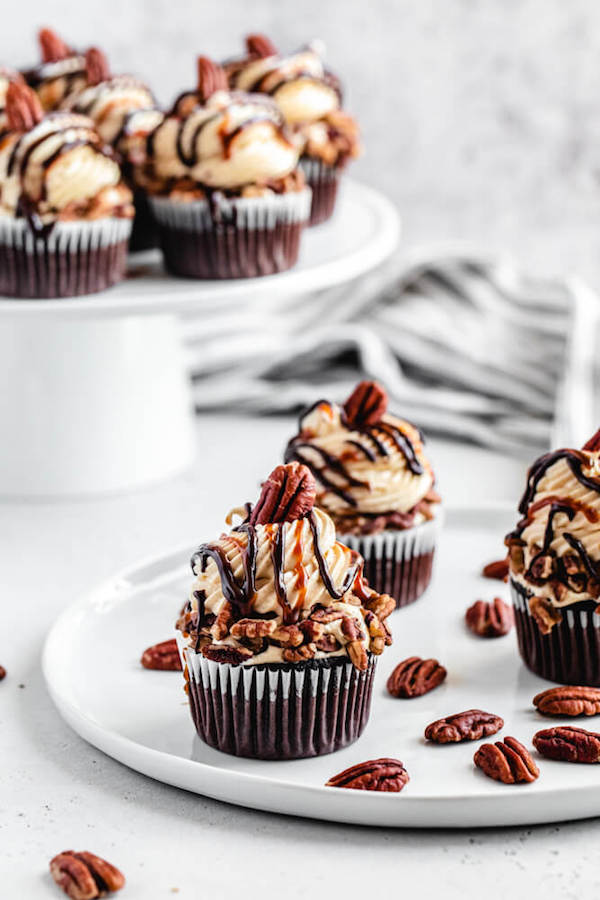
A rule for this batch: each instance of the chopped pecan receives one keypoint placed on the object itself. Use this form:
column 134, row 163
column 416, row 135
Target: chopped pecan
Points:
column 325, row 616
column 223, row 622
column 260, row 46
column 358, row 655
column 351, row 629
column 507, row 761
column 97, row 69
column 593, row 445
column 224, row 653
column 84, row 876
column 253, row 628
column 542, row 567
column 327, row 644
column 377, row 633
column 470, row 725
column 52, row 47
column 544, row 614
column 23, row 108
column 288, row 635
column 381, row 604
column 568, row 700
column 414, row 677
column 497, row 569
column 569, row 744
column 489, row 620
column 299, row 654
column 366, row 404
column 2, row 673
column 211, row 78
column 163, row 656
column 516, row 554
column 383, row 774
column 570, row 563
column 311, row 630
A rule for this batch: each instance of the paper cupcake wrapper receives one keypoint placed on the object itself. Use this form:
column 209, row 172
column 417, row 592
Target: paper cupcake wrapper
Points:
column 144, row 234
column 323, row 181
column 278, row 711
column 570, row 654
column 74, row 258
column 240, row 237
column 398, row 563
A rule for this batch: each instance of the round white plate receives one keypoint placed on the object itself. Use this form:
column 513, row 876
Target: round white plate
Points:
column 362, row 233
column 91, row 664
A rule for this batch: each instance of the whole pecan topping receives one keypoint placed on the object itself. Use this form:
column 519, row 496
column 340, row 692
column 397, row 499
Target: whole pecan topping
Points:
column 414, row 677
column 288, row 493
column 84, row 876
column 211, row 78
column 366, row 404
column 375, row 775
column 490, row 620
column 97, row 69
column 568, row 701
column 497, row 569
column 507, row 761
column 164, row 656
column 260, row 46
column 593, row 445
column 23, row 108
column 574, row 745
column 52, row 47
column 471, row 725
column 2, row 673
column 223, row 653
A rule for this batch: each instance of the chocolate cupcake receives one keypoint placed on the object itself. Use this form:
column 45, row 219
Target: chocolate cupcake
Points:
column 60, row 74
column 124, row 112
column 310, row 98
column 280, row 636
column 226, row 193
column 375, row 482
column 65, row 214
column 554, row 565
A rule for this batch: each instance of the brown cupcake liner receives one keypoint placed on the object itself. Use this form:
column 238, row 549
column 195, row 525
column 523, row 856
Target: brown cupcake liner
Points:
column 570, row 653
column 71, row 259
column 144, row 234
column 323, row 180
column 278, row 711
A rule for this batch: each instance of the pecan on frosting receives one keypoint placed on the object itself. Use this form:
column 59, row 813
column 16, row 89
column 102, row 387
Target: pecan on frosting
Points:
column 97, row 68
column 52, row 46
column 23, row 109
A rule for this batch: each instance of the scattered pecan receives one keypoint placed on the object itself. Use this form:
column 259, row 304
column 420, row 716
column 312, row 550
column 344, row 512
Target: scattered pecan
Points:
column 288, row 493
column 568, row 701
column 211, row 78
column 97, row 69
column 593, row 445
column 224, row 653
column 414, row 677
column 164, row 656
column 507, row 761
column 299, row 654
column 544, row 614
column 23, row 108
column 574, row 745
column 220, row 627
column 490, row 620
column 470, row 725
column 2, row 673
column 366, row 404
column 260, row 46
column 497, row 569
column 253, row 628
column 383, row 774
column 52, row 47
column 84, row 876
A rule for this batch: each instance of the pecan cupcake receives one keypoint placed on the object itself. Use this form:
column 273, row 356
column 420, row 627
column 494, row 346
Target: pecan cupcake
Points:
column 225, row 189
column 375, row 482
column 554, row 565
column 310, row 98
column 65, row 214
column 280, row 636
column 60, row 74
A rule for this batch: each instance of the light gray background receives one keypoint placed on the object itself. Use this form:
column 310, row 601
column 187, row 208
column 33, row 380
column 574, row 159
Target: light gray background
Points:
column 480, row 119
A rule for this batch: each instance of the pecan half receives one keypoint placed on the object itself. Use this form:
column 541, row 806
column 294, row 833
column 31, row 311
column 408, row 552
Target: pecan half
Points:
column 383, row 774
column 568, row 701
column 259, row 46
column 545, row 615
column 23, row 108
column 224, row 653
column 497, row 569
column 490, row 620
column 211, row 78
column 593, row 445
column 569, row 744
column 52, row 47
column 470, row 725
column 288, row 493
column 163, row 656
column 97, row 69
column 366, row 404
column 85, row 876
column 414, row 677
column 507, row 761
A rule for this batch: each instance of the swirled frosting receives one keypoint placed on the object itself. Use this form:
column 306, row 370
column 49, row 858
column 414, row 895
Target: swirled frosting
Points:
column 54, row 82
column 112, row 104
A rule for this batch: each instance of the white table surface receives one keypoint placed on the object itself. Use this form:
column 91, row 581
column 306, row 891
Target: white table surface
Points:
column 57, row 792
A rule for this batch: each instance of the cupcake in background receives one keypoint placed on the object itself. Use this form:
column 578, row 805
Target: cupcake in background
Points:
column 280, row 636
column 65, row 213
column 124, row 111
column 375, row 482
column 554, row 566
column 310, row 99
column 60, row 74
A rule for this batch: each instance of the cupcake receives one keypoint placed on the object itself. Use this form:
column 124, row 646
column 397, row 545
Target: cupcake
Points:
column 309, row 97
column 226, row 192
column 554, row 565
column 280, row 636
column 60, row 74
column 376, row 484
column 124, row 112
column 65, row 214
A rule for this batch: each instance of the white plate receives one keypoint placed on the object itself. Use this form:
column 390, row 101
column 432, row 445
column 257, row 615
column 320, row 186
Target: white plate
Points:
column 362, row 233
column 91, row 664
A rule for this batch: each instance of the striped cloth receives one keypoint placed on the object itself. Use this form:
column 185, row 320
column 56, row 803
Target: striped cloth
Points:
column 466, row 347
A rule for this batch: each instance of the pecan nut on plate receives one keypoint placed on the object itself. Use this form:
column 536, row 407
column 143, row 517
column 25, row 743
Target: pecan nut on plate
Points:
column 497, row 569
column 568, row 744
column 85, row 876
column 507, row 761
column 164, row 656
column 414, row 677
column 568, row 700
column 387, row 775
column 490, row 620
column 470, row 725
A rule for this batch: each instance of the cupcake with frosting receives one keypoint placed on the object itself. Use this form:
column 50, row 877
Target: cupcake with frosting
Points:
column 554, row 565
column 226, row 192
column 310, row 99
column 377, row 485
column 61, row 72
column 280, row 636
column 65, row 213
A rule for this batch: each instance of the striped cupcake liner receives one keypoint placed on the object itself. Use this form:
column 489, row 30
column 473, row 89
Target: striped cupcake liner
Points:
column 570, row 653
column 323, row 181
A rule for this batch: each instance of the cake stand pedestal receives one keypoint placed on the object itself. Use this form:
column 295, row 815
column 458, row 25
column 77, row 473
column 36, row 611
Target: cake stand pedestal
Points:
column 94, row 396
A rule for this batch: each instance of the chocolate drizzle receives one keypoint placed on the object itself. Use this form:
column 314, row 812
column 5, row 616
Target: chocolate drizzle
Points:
column 324, row 568
column 575, row 460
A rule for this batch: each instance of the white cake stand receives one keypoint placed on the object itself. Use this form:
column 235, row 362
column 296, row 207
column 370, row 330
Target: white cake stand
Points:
column 94, row 395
